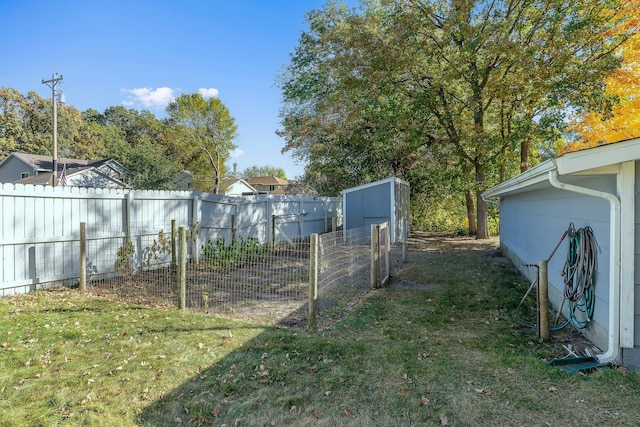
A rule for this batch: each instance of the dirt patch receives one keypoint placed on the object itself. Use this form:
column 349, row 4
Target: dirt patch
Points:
column 438, row 241
column 406, row 286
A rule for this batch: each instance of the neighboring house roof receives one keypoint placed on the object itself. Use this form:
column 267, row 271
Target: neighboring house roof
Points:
column 90, row 177
column 45, row 163
column 106, row 173
column 268, row 180
column 268, row 184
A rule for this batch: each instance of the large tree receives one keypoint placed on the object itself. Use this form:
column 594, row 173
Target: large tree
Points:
column 204, row 130
column 621, row 120
column 256, row 171
column 379, row 89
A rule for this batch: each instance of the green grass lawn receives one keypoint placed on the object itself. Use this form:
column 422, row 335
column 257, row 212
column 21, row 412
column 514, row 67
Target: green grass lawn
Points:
column 450, row 355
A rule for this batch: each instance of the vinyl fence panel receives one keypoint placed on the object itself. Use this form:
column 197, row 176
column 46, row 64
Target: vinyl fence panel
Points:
column 40, row 227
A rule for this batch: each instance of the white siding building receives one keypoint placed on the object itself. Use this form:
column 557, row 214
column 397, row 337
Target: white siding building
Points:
column 595, row 188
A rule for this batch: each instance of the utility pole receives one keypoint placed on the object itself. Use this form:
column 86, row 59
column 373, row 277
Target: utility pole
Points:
column 55, row 79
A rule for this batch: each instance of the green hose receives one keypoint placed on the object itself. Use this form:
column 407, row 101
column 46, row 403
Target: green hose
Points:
column 579, row 276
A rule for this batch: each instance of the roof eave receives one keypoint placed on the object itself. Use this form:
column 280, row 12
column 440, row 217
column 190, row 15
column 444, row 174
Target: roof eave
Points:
column 532, row 176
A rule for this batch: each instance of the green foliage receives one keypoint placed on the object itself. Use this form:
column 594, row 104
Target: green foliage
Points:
column 150, row 168
column 124, row 256
column 160, row 247
column 394, row 86
column 220, row 255
column 256, row 171
column 202, row 131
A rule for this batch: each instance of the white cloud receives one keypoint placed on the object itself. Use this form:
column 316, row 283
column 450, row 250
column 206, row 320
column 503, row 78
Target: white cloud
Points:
column 209, row 92
column 149, row 97
column 236, row 153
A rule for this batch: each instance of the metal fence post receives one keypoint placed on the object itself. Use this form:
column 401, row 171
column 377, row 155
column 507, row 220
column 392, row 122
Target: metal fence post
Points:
column 374, row 256
column 182, row 268
column 83, row 256
column 313, row 280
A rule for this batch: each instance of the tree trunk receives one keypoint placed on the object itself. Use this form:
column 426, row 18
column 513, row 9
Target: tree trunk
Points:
column 483, row 217
column 524, row 154
column 471, row 209
column 471, row 213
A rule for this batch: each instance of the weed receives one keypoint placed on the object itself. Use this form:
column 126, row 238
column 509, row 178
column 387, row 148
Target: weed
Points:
column 124, row 256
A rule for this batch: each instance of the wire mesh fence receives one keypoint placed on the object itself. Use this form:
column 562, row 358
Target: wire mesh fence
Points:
column 266, row 281
column 241, row 276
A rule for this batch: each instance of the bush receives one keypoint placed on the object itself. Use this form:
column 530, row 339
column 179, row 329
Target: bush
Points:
column 239, row 252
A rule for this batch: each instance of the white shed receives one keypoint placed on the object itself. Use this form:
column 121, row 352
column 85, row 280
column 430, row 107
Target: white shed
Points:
column 378, row 202
column 593, row 188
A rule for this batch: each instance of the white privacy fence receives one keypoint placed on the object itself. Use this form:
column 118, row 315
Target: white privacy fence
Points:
column 40, row 228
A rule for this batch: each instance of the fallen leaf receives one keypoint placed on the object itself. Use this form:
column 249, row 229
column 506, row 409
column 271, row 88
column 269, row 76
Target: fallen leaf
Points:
column 317, row 414
column 424, row 401
column 552, row 389
column 216, row 412
column 349, row 414
column 295, row 409
column 444, row 421
column 313, row 369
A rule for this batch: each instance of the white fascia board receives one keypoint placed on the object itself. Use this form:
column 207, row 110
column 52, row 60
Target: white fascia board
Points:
column 597, row 157
column 530, row 177
column 393, row 179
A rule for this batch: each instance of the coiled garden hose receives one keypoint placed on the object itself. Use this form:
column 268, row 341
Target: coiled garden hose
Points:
column 579, row 276
column 579, row 279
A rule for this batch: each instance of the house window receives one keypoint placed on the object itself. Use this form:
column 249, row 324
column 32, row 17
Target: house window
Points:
column 272, row 187
column 24, row 175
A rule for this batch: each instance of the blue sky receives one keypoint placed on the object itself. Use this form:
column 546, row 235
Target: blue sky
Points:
column 140, row 54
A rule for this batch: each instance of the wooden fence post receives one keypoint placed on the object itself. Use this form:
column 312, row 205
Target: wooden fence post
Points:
column 173, row 245
column 273, row 229
column 182, row 268
column 543, row 301
column 233, row 228
column 83, row 256
column 405, row 236
column 313, row 280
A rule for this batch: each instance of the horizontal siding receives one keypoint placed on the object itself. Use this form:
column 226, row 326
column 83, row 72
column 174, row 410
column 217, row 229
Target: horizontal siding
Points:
column 532, row 224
